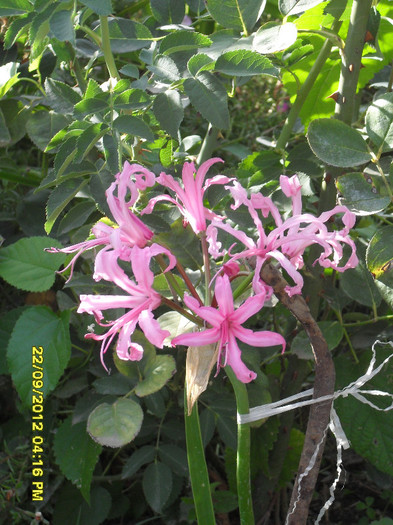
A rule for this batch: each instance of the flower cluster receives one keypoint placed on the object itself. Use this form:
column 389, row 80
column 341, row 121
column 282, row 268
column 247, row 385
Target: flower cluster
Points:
column 129, row 243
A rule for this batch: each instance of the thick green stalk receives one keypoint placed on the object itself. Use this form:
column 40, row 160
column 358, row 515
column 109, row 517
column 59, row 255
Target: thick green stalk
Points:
column 106, row 48
column 351, row 60
column 209, row 144
column 243, row 478
column 305, row 89
column 197, row 465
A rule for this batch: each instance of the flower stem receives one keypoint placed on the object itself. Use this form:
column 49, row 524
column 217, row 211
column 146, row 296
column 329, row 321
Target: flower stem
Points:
column 243, row 478
column 106, row 48
column 188, row 282
column 197, row 465
column 206, row 264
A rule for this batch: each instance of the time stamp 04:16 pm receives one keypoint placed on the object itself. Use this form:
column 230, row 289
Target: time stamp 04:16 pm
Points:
column 37, row 424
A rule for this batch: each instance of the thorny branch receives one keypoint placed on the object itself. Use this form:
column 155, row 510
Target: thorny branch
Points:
column 319, row 413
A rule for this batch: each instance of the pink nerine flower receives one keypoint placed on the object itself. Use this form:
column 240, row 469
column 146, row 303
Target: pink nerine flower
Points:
column 129, row 230
column 227, row 326
column 140, row 301
column 287, row 242
column 191, row 195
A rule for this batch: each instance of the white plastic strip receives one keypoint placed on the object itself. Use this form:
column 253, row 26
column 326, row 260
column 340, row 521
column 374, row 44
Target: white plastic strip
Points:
column 354, row 389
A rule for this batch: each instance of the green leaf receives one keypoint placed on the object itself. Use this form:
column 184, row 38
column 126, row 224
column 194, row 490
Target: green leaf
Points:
column 130, row 70
column 59, row 199
column 16, row 28
column 379, row 122
column 199, row 62
column 77, row 216
column 157, row 485
column 337, row 144
column 127, row 36
column 101, row 7
column 42, row 126
column 368, row 429
column 88, row 106
column 61, row 97
column 132, row 99
column 379, row 255
column 27, row 266
column 293, row 7
column 115, row 425
column 236, row 14
column 270, row 39
column 359, row 285
column 7, row 323
column 5, row 136
column 209, row 97
column 38, row 327
column 61, row 26
column 244, row 63
column 8, row 77
column 14, row 7
column 359, row 195
column 175, row 457
column 140, row 457
column 133, row 126
column 15, row 115
column 182, row 243
column 175, row 323
column 164, row 67
column 169, row 112
column 76, row 454
column 332, row 331
column 168, row 11
column 183, row 41
column 111, row 153
column 88, row 139
column 70, row 507
column 155, row 375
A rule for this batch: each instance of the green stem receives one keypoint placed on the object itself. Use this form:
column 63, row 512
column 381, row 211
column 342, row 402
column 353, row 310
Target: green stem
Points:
column 106, row 48
column 174, row 306
column 206, row 265
column 243, row 477
column 188, row 282
column 368, row 321
column 197, row 465
column 351, row 60
column 305, row 90
column 209, row 144
column 243, row 285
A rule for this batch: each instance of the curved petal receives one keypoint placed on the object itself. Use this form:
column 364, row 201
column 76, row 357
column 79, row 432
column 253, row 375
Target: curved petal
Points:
column 152, row 329
column 260, row 339
column 234, row 360
column 223, row 293
column 206, row 337
column 251, row 306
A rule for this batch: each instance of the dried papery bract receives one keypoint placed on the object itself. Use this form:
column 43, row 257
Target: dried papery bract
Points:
column 199, row 364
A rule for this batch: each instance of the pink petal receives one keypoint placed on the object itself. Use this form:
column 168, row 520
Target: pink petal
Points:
column 260, row 339
column 223, row 293
column 206, row 337
column 251, row 306
column 234, row 360
column 152, row 329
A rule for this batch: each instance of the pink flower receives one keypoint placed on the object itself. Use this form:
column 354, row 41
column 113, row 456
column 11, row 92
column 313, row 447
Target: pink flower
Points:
column 191, row 195
column 227, row 326
column 287, row 242
column 128, row 230
column 140, row 300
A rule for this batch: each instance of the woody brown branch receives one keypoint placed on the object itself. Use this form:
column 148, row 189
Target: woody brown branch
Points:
column 319, row 416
